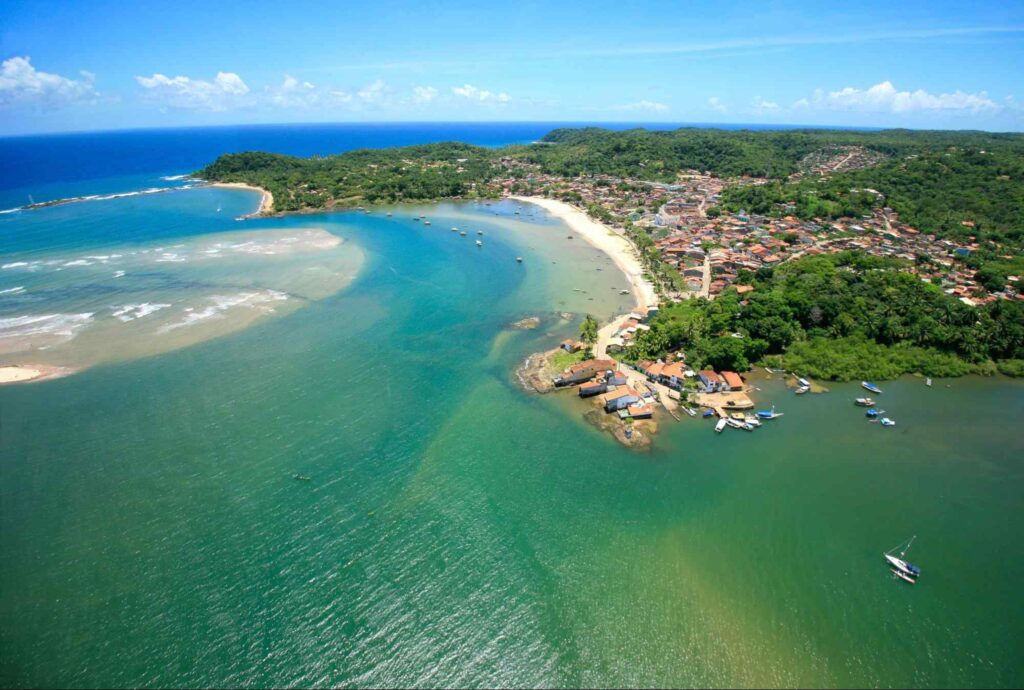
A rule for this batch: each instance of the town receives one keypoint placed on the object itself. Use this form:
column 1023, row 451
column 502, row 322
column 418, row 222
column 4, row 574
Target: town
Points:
column 711, row 248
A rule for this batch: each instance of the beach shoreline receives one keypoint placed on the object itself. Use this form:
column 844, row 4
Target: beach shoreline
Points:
column 600, row 236
column 266, row 201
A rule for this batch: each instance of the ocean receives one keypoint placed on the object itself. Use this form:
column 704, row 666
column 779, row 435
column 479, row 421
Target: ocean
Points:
column 454, row 530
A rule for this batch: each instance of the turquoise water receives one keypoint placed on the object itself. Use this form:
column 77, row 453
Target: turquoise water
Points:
column 458, row 531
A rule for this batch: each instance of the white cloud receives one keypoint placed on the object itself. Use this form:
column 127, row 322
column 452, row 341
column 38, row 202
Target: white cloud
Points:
column 225, row 91
column 884, row 98
column 649, row 106
column 373, row 93
column 294, row 94
column 715, row 103
column 482, row 95
column 423, row 94
column 21, row 83
column 762, row 105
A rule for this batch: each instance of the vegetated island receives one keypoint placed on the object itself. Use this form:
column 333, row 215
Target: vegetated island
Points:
column 836, row 254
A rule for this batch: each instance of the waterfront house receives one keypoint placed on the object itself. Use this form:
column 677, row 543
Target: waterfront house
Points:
column 711, row 382
column 672, row 374
column 731, row 381
column 591, row 388
column 584, row 371
column 619, row 399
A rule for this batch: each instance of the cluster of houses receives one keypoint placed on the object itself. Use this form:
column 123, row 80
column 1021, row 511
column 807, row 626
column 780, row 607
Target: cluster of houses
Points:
column 674, row 374
column 602, row 377
column 734, row 242
column 724, row 243
column 836, row 159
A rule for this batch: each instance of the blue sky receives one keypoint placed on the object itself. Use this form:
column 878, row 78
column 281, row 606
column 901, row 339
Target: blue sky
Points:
column 108, row 65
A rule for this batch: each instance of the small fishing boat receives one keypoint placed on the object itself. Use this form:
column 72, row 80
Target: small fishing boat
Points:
column 872, row 412
column 769, row 414
column 721, row 425
column 462, row 233
column 887, row 422
column 867, row 385
column 479, row 243
column 690, row 411
column 734, row 423
column 898, row 563
column 426, row 222
column 928, row 382
column 389, row 214
column 747, row 426
column 708, row 413
column 864, row 402
column 480, row 232
column 623, row 292
column 804, row 382
column 455, row 229
column 301, row 477
column 752, row 420
column 416, row 218
column 519, row 259
column 802, row 389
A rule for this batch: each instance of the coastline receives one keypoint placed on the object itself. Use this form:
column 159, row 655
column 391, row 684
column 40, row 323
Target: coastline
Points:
column 599, row 235
column 266, row 201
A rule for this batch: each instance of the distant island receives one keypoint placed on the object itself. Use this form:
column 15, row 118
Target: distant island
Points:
column 836, row 254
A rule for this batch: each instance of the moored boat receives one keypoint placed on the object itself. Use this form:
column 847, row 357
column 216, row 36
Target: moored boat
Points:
column 690, row 411
column 872, row 412
column 479, row 243
column 721, row 425
column 887, row 422
column 898, row 563
column 734, row 423
column 867, row 385
column 864, row 402
column 769, row 414
column 802, row 389
column 928, row 382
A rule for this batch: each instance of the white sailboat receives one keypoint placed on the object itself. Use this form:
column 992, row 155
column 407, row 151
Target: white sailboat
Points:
column 901, row 567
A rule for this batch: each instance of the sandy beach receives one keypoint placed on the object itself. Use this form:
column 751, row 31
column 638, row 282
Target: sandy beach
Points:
column 607, row 240
column 266, row 203
column 22, row 374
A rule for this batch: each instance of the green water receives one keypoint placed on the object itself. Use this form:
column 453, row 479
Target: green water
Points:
column 457, row 531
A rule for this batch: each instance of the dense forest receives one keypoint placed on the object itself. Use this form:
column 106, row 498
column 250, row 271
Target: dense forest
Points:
column 366, row 176
column 659, row 155
column 841, row 317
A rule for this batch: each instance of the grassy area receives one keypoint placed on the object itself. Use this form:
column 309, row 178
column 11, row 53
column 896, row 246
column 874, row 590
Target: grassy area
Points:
column 564, row 360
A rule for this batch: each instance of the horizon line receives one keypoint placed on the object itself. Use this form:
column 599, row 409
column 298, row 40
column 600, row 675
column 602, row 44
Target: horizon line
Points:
column 640, row 124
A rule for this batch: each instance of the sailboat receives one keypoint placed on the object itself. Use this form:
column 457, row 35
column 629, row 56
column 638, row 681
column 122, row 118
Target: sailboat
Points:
column 901, row 567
